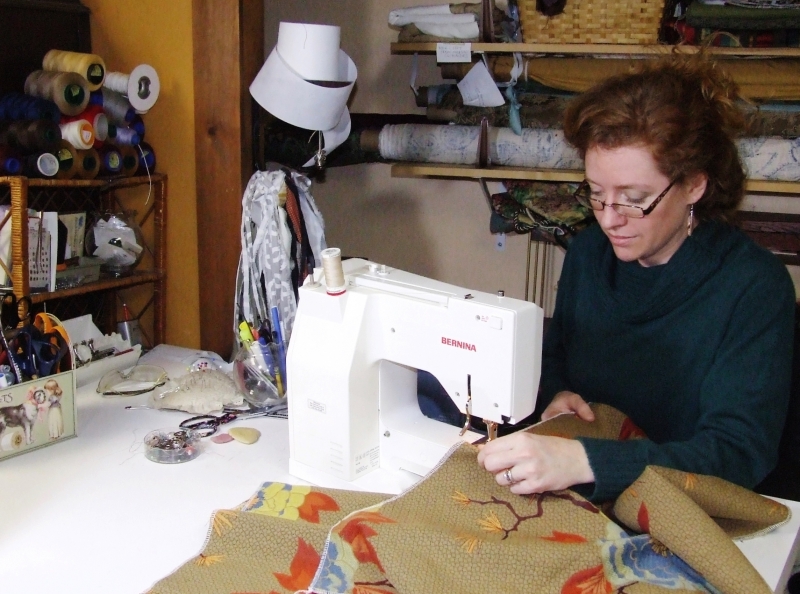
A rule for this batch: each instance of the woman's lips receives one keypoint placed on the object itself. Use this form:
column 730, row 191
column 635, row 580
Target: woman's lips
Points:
column 620, row 240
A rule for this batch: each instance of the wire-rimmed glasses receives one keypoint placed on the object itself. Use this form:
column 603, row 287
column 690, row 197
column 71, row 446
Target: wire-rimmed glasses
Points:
column 583, row 194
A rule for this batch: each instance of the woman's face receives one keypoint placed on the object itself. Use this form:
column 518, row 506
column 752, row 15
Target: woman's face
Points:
column 629, row 175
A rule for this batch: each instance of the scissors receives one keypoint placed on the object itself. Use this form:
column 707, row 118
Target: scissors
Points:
column 207, row 425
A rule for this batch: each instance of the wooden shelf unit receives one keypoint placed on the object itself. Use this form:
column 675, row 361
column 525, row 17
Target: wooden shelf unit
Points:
column 95, row 195
column 602, row 49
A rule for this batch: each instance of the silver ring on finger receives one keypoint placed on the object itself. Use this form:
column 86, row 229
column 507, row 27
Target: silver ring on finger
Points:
column 508, row 476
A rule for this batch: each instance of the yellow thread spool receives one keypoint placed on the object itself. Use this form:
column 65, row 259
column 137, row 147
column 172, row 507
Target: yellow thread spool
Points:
column 89, row 66
column 67, row 157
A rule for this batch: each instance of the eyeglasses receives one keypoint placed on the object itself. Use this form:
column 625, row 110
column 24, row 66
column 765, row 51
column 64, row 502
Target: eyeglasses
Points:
column 584, row 196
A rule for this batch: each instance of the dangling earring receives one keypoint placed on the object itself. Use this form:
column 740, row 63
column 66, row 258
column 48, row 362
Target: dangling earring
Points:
column 691, row 219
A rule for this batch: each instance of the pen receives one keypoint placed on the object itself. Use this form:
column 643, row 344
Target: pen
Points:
column 276, row 329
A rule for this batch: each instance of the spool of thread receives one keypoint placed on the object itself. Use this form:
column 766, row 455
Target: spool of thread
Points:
column 334, row 273
column 12, row 440
column 67, row 157
column 137, row 124
column 89, row 66
column 9, row 161
column 110, row 160
column 40, row 165
column 10, row 165
column 130, row 160
column 78, row 133
column 32, row 135
column 117, row 108
column 141, row 86
column 68, row 90
column 96, row 117
column 147, row 159
column 18, row 106
column 126, row 136
column 88, row 164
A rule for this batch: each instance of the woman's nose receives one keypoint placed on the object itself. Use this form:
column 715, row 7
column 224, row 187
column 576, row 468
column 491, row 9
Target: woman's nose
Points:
column 609, row 218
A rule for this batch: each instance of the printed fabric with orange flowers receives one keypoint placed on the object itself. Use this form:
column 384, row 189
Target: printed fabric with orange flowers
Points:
column 458, row 531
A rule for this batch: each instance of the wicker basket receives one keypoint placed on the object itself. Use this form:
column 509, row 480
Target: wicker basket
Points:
column 594, row 21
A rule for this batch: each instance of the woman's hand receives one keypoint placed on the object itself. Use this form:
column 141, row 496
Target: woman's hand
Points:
column 529, row 463
column 568, row 402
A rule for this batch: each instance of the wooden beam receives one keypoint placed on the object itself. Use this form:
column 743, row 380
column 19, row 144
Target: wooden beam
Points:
column 228, row 50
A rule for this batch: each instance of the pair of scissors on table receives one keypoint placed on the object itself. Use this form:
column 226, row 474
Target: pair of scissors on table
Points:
column 207, row 425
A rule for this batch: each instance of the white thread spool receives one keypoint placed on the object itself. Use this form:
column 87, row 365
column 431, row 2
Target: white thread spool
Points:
column 12, row 440
column 79, row 134
column 141, row 86
column 334, row 273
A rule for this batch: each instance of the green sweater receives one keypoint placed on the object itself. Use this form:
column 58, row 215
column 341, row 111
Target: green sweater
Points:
column 697, row 352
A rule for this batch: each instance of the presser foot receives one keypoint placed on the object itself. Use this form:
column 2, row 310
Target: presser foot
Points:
column 491, row 430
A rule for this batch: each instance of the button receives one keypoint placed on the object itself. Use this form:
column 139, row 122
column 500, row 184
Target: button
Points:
column 495, row 322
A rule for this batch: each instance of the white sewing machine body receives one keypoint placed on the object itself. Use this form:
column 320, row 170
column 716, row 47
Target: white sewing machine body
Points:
column 352, row 369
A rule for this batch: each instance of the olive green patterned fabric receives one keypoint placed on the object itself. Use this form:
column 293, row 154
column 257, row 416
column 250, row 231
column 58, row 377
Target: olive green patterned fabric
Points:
column 457, row 530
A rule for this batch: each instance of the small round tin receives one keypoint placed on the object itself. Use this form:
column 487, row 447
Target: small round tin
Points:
column 172, row 446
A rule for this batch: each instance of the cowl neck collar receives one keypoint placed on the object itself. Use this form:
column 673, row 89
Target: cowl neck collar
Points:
column 698, row 257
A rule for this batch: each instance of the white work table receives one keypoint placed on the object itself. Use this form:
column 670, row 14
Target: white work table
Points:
column 93, row 515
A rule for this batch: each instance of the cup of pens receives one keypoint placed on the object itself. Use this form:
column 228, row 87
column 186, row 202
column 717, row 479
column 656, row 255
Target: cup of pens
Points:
column 257, row 374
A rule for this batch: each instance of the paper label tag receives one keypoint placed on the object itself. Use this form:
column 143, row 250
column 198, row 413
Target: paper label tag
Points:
column 454, row 52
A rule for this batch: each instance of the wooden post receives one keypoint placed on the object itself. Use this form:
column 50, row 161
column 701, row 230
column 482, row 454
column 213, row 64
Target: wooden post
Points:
column 228, row 51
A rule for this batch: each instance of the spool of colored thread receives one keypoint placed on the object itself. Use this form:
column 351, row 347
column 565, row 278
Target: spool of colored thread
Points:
column 68, row 90
column 67, row 156
column 137, row 124
column 9, row 162
column 117, row 108
column 95, row 116
column 78, row 133
column 18, row 106
column 126, row 136
column 130, row 160
column 147, row 159
column 89, row 66
column 110, row 160
column 40, row 165
column 36, row 135
column 88, row 163
column 141, row 86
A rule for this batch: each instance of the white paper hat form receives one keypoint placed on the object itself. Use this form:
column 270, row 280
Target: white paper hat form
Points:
column 306, row 81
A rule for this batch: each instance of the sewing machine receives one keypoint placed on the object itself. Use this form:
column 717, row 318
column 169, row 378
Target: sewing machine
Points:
column 352, row 369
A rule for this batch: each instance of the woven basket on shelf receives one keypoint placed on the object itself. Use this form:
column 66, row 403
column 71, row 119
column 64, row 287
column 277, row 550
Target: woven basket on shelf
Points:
column 594, row 21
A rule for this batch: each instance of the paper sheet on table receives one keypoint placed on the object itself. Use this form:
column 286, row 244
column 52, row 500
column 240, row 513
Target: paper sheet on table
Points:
column 478, row 88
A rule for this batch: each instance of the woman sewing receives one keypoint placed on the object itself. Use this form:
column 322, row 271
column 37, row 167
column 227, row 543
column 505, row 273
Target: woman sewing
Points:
column 665, row 310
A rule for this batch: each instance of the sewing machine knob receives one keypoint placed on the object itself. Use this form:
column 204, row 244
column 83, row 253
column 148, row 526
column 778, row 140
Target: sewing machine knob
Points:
column 383, row 270
column 501, row 293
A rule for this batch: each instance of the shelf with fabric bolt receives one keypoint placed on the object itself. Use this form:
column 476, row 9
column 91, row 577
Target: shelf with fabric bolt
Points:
column 600, row 49
column 102, row 298
column 740, row 55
